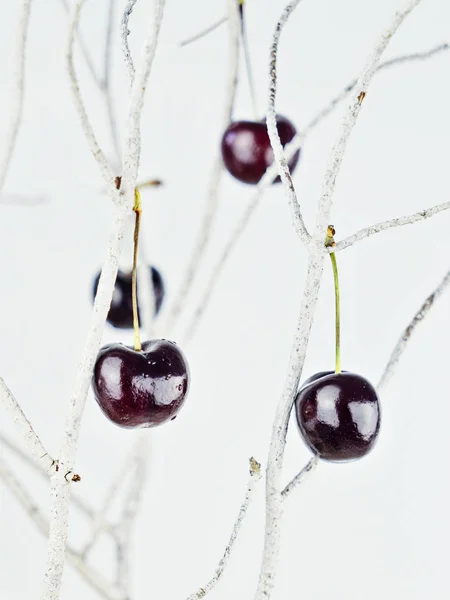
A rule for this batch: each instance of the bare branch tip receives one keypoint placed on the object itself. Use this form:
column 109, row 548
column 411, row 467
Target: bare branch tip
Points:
column 71, row 476
column 329, row 240
column 255, row 467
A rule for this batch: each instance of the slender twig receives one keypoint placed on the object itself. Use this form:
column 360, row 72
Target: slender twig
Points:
column 32, row 441
column 202, row 241
column 91, row 576
column 301, row 476
column 18, row 90
column 102, row 82
column 317, row 251
column 393, row 62
column 399, row 222
column 132, row 132
column 289, row 150
column 204, row 32
column 84, row 507
column 409, row 330
column 278, row 152
column 106, row 83
column 97, row 152
column 125, row 33
column 255, row 475
column 84, row 48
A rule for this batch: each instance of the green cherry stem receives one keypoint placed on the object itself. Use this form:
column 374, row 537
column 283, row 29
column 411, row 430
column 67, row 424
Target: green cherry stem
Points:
column 248, row 63
column 329, row 243
column 137, row 208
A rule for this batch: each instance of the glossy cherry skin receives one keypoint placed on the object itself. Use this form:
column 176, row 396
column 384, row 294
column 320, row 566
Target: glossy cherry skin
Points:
column 338, row 415
column 121, row 311
column 246, row 149
column 141, row 389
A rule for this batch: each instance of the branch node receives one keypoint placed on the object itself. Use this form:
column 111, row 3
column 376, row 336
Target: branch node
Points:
column 71, row 476
column 255, row 467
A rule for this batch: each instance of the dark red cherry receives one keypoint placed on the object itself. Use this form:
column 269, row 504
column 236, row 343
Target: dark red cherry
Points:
column 141, row 389
column 338, row 415
column 121, row 311
column 246, row 149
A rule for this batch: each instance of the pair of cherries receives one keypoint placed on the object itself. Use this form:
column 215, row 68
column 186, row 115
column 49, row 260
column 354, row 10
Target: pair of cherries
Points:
column 139, row 388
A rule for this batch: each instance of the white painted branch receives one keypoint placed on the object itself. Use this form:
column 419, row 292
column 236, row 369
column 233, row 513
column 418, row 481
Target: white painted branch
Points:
column 60, row 489
column 399, row 222
column 409, row 330
column 289, row 150
column 32, row 441
column 92, row 577
column 83, row 47
column 103, row 82
column 301, row 476
column 277, row 147
column 132, row 133
column 354, row 110
column 393, row 62
column 106, row 83
column 97, row 152
column 255, row 476
column 202, row 241
column 18, row 86
column 125, row 33
column 274, row 498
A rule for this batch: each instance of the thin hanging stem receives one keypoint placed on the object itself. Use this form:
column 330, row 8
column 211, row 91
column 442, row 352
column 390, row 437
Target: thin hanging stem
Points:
column 329, row 242
column 338, row 312
column 248, row 62
column 138, row 211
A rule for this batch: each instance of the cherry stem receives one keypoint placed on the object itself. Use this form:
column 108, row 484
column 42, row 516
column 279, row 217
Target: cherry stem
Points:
column 248, row 63
column 137, row 208
column 330, row 242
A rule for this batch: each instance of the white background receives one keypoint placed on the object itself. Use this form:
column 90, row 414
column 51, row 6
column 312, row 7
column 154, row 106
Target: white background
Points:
column 377, row 528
